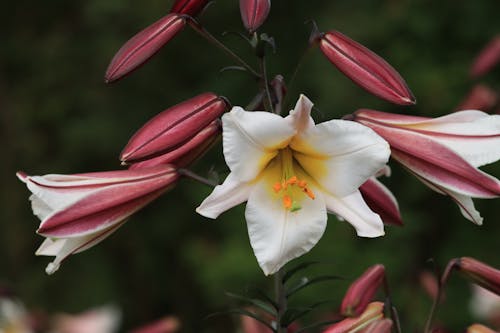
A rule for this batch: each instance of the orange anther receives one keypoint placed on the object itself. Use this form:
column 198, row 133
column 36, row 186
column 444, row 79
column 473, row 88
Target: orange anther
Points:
column 287, row 202
column 302, row 184
column 277, row 187
column 309, row 193
column 292, row 181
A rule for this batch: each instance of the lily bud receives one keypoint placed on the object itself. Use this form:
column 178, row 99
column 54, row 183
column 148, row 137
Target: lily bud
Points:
column 143, row 46
column 188, row 7
column 480, row 97
column 373, row 313
column 365, row 68
column 173, row 127
column 381, row 200
column 188, row 152
column 379, row 326
column 167, row 324
column 254, row 13
column 478, row 328
column 361, row 291
column 444, row 152
column 479, row 273
column 487, row 58
column 78, row 211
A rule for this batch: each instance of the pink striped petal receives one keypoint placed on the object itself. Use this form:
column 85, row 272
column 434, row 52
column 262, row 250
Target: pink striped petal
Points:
column 173, row 127
column 373, row 313
column 254, row 13
column 143, row 46
column 365, row 68
column 381, row 201
column 188, row 152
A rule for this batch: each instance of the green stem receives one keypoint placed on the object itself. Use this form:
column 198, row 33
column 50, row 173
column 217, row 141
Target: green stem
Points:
column 211, row 38
column 281, row 300
column 269, row 101
column 392, row 309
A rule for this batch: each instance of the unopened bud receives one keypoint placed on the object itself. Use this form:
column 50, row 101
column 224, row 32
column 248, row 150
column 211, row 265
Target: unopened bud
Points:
column 188, row 152
column 373, row 313
column 143, row 46
column 365, row 68
column 478, row 328
column 188, row 7
column 254, row 13
column 379, row 326
column 173, row 127
column 481, row 97
column 487, row 58
column 479, row 273
column 361, row 291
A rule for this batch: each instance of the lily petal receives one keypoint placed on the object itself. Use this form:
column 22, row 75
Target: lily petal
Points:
column 252, row 139
column 301, row 115
column 224, row 197
column 340, row 155
column 278, row 235
column 355, row 211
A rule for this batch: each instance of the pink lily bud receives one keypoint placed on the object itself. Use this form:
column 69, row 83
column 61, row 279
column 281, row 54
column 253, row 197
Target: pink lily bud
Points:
column 365, row 68
column 189, row 152
column 478, row 328
column 444, row 152
column 487, row 58
column 164, row 325
column 481, row 97
column 254, row 13
column 188, row 7
column 78, row 211
column 479, row 273
column 143, row 46
column 379, row 326
column 381, row 201
column 173, row 127
column 373, row 313
column 361, row 291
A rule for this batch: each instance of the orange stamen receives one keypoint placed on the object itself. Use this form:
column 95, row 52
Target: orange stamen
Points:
column 309, row 193
column 302, row 184
column 292, row 181
column 277, row 187
column 287, row 201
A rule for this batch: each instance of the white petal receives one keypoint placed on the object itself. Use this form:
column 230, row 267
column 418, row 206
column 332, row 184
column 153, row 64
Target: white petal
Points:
column 252, row 139
column 355, row 211
column 278, row 235
column 340, row 155
column 477, row 135
column 300, row 116
column 223, row 197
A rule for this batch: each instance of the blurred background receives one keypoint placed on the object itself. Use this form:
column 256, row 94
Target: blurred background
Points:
column 58, row 116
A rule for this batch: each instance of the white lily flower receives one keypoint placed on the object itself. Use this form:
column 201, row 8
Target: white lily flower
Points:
column 291, row 172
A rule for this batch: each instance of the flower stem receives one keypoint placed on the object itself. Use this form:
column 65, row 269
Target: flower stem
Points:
column 281, row 300
column 211, row 38
column 198, row 178
column 268, row 101
column 392, row 309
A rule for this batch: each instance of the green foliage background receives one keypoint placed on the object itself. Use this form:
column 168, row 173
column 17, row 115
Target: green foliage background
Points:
column 57, row 116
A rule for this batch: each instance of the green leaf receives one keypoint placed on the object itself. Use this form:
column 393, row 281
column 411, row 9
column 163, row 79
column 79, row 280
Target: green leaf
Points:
column 255, row 302
column 297, row 269
column 294, row 313
column 306, row 282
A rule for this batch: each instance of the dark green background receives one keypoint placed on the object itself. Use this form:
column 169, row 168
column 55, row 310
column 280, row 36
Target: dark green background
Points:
column 57, row 116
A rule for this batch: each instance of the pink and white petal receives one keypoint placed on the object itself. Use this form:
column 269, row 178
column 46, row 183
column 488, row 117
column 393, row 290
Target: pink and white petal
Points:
column 341, row 155
column 381, row 201
column 278, row 235
column 224, row 197
column 300, row 116
column 354, row 210
column 62, row 248
column 252, row 139
column 464, row 202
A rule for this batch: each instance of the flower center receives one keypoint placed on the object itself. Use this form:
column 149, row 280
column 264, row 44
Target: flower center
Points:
column 290, row 187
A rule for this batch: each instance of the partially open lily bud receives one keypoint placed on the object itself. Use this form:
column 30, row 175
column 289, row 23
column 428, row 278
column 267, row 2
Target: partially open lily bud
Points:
column 254, row 13
column 143, row 46
column 479, row 273
column 487, row 58
column 361, row 291
column 173, row 127
column 478, row 328
column 188, row 7
column 365, row 68
column 189, row 151
column 379, row 326
column 373, row 313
